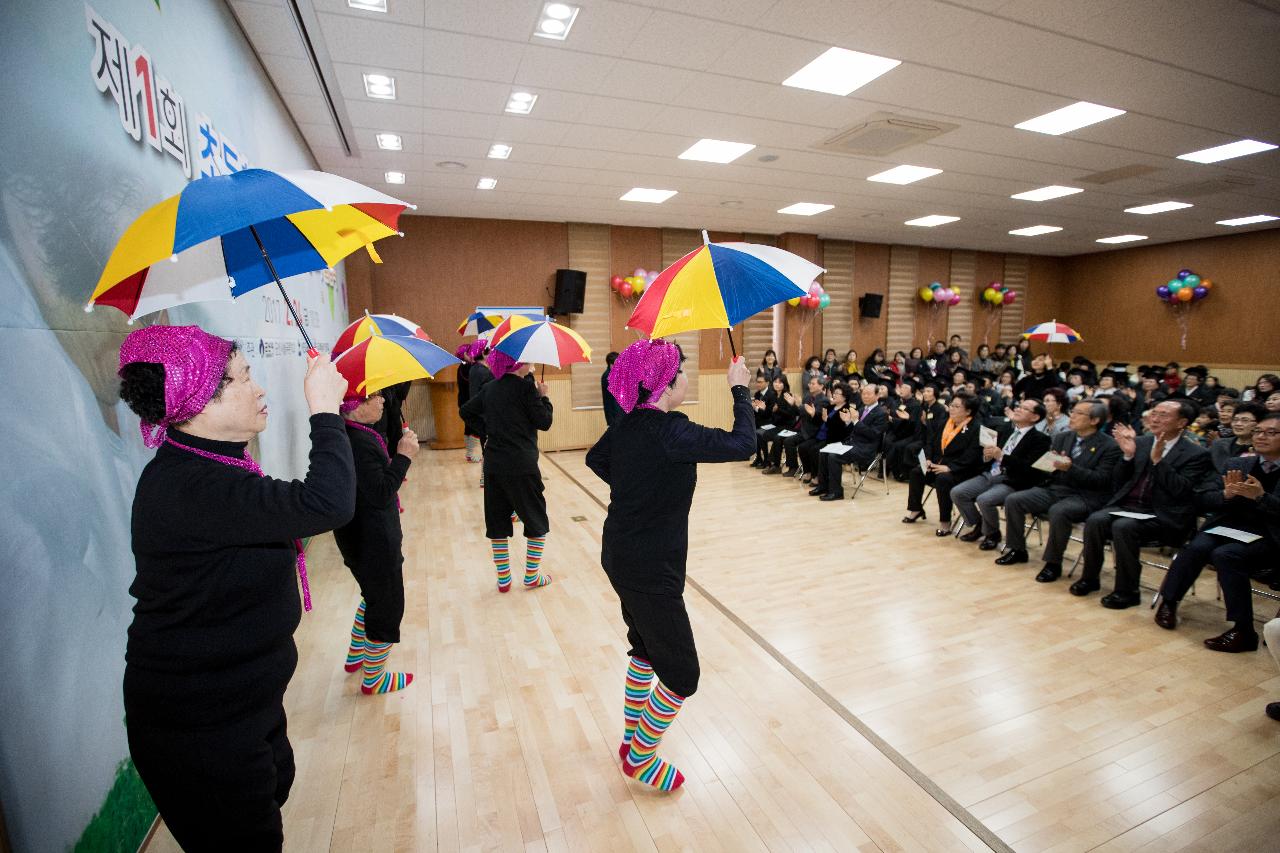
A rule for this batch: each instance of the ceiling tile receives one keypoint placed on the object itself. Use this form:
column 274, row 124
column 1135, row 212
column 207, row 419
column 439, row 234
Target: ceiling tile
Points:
column 270, row 27
column 371, row 42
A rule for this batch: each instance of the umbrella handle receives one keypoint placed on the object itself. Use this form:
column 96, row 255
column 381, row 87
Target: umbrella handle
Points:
column 734, row 350
column 311, row 348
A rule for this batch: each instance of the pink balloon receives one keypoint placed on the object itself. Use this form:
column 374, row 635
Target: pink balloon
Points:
column 955, row 299
column 1010, row 297
column 814, row 288
column 640, row 271
column 650, row 278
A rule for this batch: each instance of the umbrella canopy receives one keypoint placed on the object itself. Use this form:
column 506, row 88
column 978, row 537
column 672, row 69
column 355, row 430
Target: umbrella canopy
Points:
column 377, row 362
column 224, row 236
column 718, row 285
column 542, row 342
column 387, row 325
column 486, row 318
column 1052, row 332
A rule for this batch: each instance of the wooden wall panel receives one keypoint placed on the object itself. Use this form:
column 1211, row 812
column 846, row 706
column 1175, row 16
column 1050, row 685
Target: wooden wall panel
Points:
column 1013, row 318
column 964, row 268
column 871, row 275
column 931, row 323
column 359, row 273
column 676, row 243
column 802, row 330
column 904, row 267
column 631, row 248
column 837, row 320
column 987, row 267
column 589, row 247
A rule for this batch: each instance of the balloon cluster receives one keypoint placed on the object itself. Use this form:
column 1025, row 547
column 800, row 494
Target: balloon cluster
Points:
column 997, row 294
column 816, row 299
column 632, row 285
column 1186, row 287
column 939, row 295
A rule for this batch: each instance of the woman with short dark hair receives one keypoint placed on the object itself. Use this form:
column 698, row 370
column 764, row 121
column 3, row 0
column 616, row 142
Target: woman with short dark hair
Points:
column 953, row 454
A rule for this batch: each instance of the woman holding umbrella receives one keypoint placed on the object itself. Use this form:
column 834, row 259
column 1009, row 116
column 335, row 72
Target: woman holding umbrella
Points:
column 210, row 650
column 650, row 461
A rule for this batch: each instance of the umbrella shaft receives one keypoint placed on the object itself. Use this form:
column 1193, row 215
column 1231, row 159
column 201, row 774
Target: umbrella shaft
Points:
column 297, row 321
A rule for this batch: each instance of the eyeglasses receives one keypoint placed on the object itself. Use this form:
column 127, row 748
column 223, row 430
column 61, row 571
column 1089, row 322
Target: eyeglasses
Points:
column 1241, row 419
column 1268, row 433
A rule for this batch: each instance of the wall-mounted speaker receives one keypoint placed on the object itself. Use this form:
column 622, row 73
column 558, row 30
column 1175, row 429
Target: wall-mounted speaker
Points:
column 571, row 292
column 869, row 304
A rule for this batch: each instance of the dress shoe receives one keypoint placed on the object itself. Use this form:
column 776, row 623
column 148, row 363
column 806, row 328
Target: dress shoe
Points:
column 1084, row 587
column 806, row 479
column 772, row 469
column 1234, row 640
column 1050, row 573
column 817, row 490
column 972, row 536
column 757, row 464
column 1011, row 557
column 942, row 531
column 1121, row 600
column 990, row 543
column 831, row 496
column 790, row 472
column 912, row 519
column 1167, row 614
column 1273, row 710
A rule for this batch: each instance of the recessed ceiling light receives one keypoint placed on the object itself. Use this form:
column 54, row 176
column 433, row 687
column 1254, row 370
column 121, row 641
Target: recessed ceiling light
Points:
column 1046, row 193
column 647, row 195
column 1035, row 230
column 904, row 175
column 1158, row 207
column 389, row 141
column 768, row 158
column 486, row 183
column 559, row 11
column 521, row 103
column 394, row 177
column 840, row 71
column 932, row 220
column 381, row 86
column 1248, row 220
column 368, row 5
column 556, row 21
column 1226, row 152
column 716, row 151
column 1123, row 238
column 1074, row 117
column 805, row 208
column 498, row 151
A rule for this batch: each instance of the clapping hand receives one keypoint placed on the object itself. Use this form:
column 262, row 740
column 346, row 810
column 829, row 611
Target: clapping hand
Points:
column 848, row 415
column 791, row 400
column 1236, row 485
column 991, row 453
column 808, row 409
column 1126, row 438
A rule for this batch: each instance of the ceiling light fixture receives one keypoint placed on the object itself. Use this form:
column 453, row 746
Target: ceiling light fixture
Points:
column 647, row 195
column 1046, row 193
column 556, row 21
column 498, row 151
column 1248, row 220
column 932, row 221
column 1074, row 117
column 486, row 183
column 1228, row 151
column 805, row 208
column 1158, row 207
column 394, row 177
column 368, row 5
column 1123, row 238
column 453, row 165
column 904, row 175
column 521, row 103
column 839, row 71
column 389, row 141
column 716, row 151
column 381, row 86
column 1035, row 230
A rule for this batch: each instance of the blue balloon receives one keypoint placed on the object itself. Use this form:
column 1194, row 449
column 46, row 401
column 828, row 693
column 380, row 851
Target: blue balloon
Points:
column 1162, row 291
column 1183, row 273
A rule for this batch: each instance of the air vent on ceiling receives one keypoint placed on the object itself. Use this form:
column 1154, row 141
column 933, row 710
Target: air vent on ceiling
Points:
column 1137, row 170
column 1213, row 186
column 883, row 133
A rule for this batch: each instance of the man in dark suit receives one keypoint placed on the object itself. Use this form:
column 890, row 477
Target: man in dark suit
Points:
column 1077, row 487
column 1243, row 422
column 979, row 498
column 1248, row 501
column 866, row 432
column 1161, row 474
column 815, row 400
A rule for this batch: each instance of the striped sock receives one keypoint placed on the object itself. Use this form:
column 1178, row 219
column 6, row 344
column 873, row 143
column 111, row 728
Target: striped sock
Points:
column 355, row 652
column 471, row 448
column 502, row 562
column 642, row 762
column 639, row 685
column 376, row 678
column 533, row 578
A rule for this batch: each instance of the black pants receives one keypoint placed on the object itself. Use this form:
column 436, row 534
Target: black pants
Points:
column 519, row 493
column 763, row 437
column 1127, row 536
column 809, row 451
column 789, row 445
column 830, row 473
column 942, row 485
column 382, row 588
column 1231, row 560
column 658, row 630
column 219, row 789
column 900, row 454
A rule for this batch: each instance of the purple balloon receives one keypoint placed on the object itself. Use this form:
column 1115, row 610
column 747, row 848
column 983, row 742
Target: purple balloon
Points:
column 1163, row 291
column 1201, row 292
column 1183, row 273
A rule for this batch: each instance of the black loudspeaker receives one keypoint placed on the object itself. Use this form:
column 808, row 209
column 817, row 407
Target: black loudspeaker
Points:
column 571, row 290
column 869, row 304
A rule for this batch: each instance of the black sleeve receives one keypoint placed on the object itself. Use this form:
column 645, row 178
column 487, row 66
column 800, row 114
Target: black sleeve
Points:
column 539, row 409
column 1019, row 464
column 598, row 456
column 689, row 442
column 472, row 412
column 1183, row 481
column 378, row 478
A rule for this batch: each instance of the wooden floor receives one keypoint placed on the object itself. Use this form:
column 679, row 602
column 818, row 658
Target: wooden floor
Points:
column 865, row 686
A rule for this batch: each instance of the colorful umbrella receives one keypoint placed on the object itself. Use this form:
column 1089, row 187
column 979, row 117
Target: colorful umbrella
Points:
column 224, row 236
column 487, row 317
column 377, row 362
column 718, row 285
column 1052, row 332
column 542, row 342
column 387, row 325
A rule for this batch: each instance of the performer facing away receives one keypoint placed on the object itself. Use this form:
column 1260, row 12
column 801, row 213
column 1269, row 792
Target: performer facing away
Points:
column 509, row 411
column 371, row 543
column 650, row 460
column 210, row 649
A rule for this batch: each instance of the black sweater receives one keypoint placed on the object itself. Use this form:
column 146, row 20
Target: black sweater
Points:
column 508, row 412
column 650, row 461
column 217, row 590
column 372, row 539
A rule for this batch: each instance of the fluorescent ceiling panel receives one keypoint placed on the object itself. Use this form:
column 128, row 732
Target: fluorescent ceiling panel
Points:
column 1226, row 152
column 1158, row 207
column 521, row 103
column 840, row 71
column 646, row 195
column 904, row 175
column 1074, row 117
column 805, row 208
column 932, row 221
column 394, row 177
column 556, row 21
column 1248, row 220
column 389, row 141
column 486, row 183
column 380, row 86
column 498, row 151
column 368, row 5
column 1035, row 230
column 1046, row 193
column 1123, row 238
column 716, row 151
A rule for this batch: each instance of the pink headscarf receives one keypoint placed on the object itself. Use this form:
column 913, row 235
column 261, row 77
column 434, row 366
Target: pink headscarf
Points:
column 500, row 364
column 649, row 364
column 194, row 363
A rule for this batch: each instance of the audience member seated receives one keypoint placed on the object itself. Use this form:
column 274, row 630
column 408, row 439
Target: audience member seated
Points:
column 1273, row 402
column 1035, row 382
column 904, row 428
column 1160, row 475
column 1243, row 423
column 785, row 414
column 1077, row 389
column 864, row 434
column 1266, row 385
column 980, row 497
column 954, row 345
column 1247, row 501
column 1021, row 356
column 1080, row 484
column 1193, row 386
column 983, row 362
column 763, row 400
column 812, row 368
column 877, row 369
column 1226, row 413
column 849, row 367
column 831, row 429
column 953, row 454
column 1152, row 391
column 810, row 421
column 1119, row 413
column 914, row 358
column 830, row 364
column 1204, row 430
column 769, row 366
column 1171, row 379
column 1056, row 419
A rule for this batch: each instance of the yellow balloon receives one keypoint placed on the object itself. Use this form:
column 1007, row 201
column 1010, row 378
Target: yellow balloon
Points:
column 793, row 301
column 926, row 294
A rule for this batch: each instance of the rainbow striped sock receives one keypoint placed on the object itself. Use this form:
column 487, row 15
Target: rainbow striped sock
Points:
column 472, row 444
column 642, row 762
column 502, row 561
column 639, row 685
column 533, row 578
column 376, row 678
column 355, row 652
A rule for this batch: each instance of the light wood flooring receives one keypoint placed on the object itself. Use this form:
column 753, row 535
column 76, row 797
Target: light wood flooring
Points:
column 865, row 686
